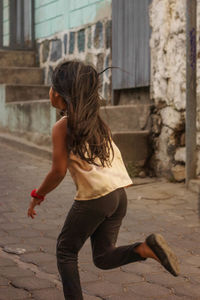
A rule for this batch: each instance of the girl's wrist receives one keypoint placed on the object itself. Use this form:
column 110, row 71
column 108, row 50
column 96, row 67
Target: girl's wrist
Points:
column 39, row 193
column 35, row 194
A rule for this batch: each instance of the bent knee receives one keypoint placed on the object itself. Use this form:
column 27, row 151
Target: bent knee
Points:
column 100, row 263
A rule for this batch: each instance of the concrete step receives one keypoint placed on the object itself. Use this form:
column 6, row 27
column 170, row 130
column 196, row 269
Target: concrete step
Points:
column 17, row 58
column 40, row 144
column 194, row 185
column 34, row 116
column 15, row 75
column 26, row 92
column 133, row 146
column 127, row 117
column 22, row 144
column 29, row 116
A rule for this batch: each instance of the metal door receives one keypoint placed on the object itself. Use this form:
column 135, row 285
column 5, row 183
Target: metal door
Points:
column 130, row 43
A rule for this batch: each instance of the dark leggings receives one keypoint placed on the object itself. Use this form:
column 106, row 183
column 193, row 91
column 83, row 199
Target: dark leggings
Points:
column 100, row 219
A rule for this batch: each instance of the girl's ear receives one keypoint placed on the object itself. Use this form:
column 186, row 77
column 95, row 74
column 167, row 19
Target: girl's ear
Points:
column 56, row 94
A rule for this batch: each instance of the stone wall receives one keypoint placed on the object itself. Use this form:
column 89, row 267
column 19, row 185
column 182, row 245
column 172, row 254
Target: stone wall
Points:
column 168, row 87
column 91, row 43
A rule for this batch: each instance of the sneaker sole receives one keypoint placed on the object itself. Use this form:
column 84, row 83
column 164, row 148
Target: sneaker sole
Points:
column 165, row 254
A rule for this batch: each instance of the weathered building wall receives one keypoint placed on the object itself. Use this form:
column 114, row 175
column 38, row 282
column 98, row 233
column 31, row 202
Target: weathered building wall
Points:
column 52, row 16
column 168, row 86
column 90, row 42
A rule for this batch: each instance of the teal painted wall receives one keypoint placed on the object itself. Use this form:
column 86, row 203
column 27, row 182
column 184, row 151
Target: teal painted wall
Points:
column 84, row 11
column 49, row 17
column 53, row 16
column 5, row 22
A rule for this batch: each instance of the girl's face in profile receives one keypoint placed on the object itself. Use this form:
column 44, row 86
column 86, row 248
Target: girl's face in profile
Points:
column 56, row 99
column 52, row 97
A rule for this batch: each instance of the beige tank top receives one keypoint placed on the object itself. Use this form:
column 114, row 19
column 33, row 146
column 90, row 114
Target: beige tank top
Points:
column 95, row 181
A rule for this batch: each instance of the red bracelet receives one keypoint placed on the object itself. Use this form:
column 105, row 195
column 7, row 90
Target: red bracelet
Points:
column 35, row 195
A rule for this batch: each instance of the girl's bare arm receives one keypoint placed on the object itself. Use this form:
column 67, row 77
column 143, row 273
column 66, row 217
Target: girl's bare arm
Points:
column 59, row 158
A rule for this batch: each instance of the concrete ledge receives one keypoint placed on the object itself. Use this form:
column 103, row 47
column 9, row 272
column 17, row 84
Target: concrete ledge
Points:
column 127, row 117
column 21, row 75
column 133, row 146
column 17, row 58
column 25, row 146
column 29, row 116
column 26, row 92
column 26, row 116
column 194, row 185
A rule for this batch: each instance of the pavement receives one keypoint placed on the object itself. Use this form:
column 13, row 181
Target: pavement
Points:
column 28, row 246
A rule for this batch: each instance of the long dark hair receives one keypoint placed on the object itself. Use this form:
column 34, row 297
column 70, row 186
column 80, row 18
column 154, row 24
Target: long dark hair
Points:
column 88, row 135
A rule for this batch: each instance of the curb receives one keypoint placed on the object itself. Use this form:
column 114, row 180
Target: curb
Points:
column 194, row 186
column 46, row 153
column 25, row 146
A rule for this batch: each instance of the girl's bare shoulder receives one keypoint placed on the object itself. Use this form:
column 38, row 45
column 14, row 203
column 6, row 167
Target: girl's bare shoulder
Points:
column 61, row 125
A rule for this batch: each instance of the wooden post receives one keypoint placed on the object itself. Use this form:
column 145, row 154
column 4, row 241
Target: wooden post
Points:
column 191, row 102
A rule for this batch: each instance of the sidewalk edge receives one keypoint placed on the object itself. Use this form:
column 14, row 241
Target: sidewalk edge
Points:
column 25, row 146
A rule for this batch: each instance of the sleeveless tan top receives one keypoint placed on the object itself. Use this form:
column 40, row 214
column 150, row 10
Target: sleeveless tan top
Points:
column 95, row 181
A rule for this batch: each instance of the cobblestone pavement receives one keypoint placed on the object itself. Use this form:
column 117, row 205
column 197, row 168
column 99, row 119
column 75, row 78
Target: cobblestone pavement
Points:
column 27, row 246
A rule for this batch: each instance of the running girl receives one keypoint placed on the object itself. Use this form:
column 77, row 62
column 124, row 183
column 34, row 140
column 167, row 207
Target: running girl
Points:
column 82, row 143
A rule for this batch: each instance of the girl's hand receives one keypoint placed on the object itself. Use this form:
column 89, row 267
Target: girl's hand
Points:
column 33, row 203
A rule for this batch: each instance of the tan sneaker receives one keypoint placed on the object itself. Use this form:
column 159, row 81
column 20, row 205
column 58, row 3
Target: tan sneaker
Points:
column 166, row 256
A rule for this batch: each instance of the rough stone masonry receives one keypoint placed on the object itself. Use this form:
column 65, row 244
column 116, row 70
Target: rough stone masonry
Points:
column 91, row 42
column 168, row 87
